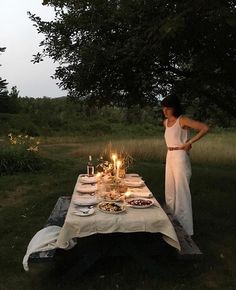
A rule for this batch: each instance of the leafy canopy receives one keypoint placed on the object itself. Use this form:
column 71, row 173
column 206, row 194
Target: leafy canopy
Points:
column 128, row 52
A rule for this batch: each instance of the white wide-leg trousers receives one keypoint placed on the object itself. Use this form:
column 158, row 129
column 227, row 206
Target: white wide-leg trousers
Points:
column 177, row 192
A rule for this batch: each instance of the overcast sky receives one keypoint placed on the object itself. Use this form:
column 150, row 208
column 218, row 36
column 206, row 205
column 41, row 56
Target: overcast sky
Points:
column 21, row 40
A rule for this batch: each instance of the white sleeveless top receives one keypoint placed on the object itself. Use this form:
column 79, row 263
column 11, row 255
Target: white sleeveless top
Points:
column 175, row 135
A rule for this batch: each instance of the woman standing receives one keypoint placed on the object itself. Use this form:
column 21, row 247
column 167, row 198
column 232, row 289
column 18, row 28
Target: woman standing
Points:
column 178, row 167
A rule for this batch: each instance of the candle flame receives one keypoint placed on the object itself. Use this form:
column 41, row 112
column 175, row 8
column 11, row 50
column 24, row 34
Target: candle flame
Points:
column 114, row 157
column 127, row 194
column 98, row 175
column 118, row 163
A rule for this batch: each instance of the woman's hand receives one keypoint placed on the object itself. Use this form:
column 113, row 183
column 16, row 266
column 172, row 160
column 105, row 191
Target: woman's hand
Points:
column 186, row 146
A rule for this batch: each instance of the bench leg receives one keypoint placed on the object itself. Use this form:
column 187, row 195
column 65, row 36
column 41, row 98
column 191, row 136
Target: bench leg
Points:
column 189, row 249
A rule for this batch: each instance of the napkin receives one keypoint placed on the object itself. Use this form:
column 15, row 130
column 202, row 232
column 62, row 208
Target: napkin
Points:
column 128, row 175
column 86, row 188
column 87, row 179
column 138, row 192
column 134, row 182
column 85, row 200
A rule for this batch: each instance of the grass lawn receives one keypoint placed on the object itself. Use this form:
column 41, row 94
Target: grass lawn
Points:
column 26, row 200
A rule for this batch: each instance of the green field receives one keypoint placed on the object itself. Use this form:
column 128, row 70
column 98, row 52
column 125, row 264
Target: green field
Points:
column 26, row 200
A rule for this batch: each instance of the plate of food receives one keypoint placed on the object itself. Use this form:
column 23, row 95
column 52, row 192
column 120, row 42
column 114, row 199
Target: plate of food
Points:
column 112, row 196
column 140, row 202
column 111, row 207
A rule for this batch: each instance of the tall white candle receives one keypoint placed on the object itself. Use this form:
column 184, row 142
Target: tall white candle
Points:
column 114, row 157
column 118, row 164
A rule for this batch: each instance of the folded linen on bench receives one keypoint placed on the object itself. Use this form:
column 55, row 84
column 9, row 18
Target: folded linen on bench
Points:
column 45, row 240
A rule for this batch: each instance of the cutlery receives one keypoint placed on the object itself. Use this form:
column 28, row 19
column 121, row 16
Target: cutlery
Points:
column 83, row 210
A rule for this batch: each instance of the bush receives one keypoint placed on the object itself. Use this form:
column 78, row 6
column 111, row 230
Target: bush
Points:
column 20, row 153
column 16, row 159
column 17, row 124
column 99, row 128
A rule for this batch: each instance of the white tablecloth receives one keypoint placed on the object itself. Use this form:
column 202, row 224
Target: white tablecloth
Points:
column 152, row 220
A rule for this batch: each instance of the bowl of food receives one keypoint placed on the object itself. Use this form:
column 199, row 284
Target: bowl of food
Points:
column 140, row 202
column 111, row 207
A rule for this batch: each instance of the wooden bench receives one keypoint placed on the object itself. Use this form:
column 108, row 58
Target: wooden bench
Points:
column 189, row 249
column 56, row 218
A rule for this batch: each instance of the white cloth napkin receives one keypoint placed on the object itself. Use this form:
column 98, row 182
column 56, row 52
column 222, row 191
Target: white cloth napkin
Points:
column 85, row 200
column 134, row 182
column 86, row 188
column 128, row 175
column 139, row 192
column 87, row 179
column 45, row 240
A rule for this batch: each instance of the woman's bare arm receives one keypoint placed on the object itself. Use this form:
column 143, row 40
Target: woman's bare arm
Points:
column 200, row 127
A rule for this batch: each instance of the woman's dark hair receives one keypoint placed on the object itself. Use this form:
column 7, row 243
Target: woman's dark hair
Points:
column 172, row 101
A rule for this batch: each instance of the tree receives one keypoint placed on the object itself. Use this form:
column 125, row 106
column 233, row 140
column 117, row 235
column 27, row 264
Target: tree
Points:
column 129, row 52
column 4, row 106
column 8, row 101
column 13, row 100
column 14, row 93
column 3, row 83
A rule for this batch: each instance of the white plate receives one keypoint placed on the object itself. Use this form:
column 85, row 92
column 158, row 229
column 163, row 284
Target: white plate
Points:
column 86, row 188
column 140, row 206
column 81, row 200
column 84, row 178
column 83, row 211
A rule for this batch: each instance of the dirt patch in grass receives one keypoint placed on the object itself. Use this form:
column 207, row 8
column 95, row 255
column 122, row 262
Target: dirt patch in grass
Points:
column 14, row 198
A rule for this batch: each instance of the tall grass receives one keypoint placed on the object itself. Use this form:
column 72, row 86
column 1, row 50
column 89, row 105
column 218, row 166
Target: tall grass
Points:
column 214, row 149
column 148, row 148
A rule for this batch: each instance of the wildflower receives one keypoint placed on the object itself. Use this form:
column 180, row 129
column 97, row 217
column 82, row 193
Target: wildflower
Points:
column 30, row 148
column 33, row 149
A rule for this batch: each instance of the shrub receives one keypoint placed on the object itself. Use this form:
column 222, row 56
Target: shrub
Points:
column 15, row 159
column 20, row 154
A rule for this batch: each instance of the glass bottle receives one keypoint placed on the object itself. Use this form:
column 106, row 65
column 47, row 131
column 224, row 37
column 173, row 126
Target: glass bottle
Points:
column 90, row 167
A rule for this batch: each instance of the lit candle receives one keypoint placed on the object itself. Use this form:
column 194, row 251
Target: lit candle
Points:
column 127, row 194
column 114, row 157
column 118, row 164
column 98, row 175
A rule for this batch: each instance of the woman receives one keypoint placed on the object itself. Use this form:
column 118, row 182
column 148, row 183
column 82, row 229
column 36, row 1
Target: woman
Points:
column 178, row 167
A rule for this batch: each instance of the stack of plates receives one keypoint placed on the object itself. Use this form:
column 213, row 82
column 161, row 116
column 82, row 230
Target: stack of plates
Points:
column 87, row 179
column 85, row 200
column 86, row 188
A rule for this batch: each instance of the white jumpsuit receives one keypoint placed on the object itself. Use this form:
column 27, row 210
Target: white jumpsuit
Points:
column 177, row 176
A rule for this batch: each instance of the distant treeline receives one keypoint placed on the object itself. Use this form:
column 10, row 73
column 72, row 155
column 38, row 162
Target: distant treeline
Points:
column 58, row 116
column 61, row 116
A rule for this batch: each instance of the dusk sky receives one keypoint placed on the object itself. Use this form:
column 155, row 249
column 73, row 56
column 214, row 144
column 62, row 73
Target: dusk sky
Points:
column 21, row 40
